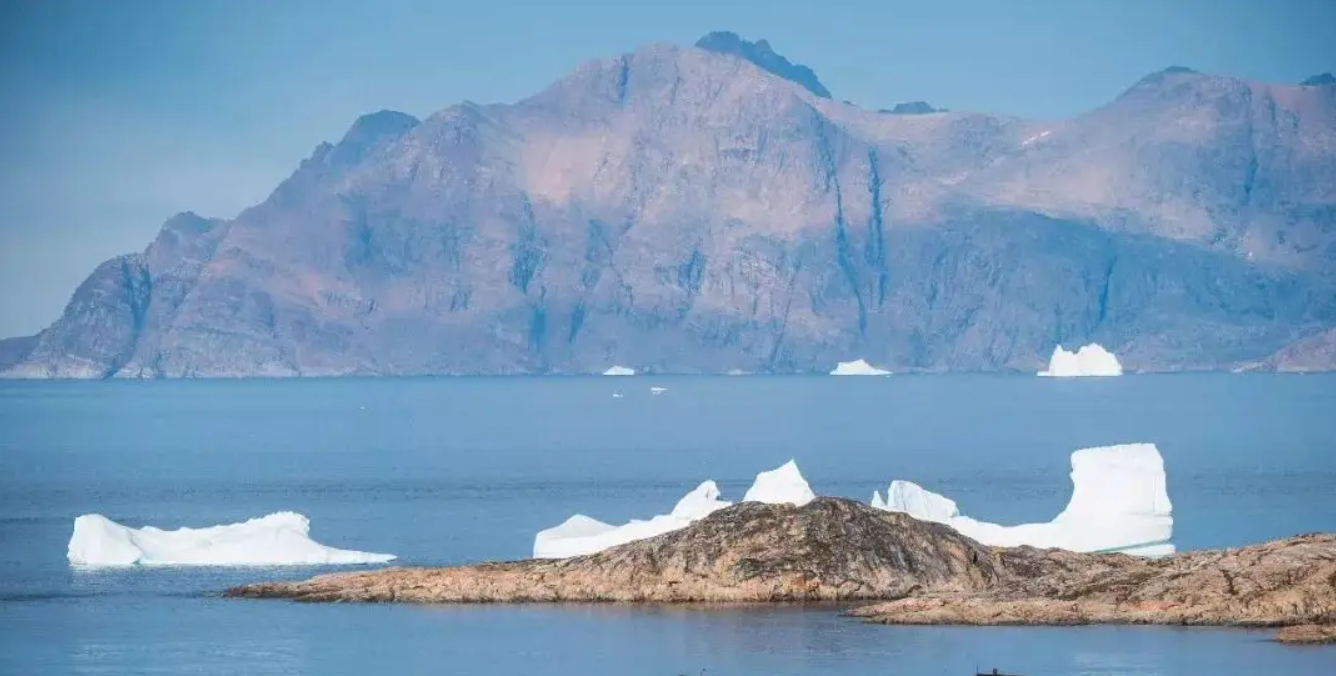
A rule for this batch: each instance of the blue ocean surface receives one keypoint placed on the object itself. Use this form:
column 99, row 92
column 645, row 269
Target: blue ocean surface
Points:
column 454, row 470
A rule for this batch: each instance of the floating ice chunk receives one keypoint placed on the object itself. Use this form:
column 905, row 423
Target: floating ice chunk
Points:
column 280, row 539
column 619, row 371
column 784, row 484
column 699, row 503
column 657, row 390
column 922, row 504
column 580, row 534
column 616, row 395
column 1090, row 360
column 858, row 367
column 1120, row 503
column 550, row 543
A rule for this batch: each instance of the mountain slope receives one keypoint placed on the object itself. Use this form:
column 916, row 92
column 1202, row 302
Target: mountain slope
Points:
column 15, row 350
column 684, row 210
column 1314, row 353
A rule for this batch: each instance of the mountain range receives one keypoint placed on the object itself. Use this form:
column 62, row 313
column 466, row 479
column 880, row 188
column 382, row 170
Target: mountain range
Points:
column 712, row 208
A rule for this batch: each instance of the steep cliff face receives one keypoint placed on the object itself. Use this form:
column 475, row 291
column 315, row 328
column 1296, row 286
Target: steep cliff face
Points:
column 686, row 210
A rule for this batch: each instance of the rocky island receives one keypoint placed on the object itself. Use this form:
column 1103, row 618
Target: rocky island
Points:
column 916, row 572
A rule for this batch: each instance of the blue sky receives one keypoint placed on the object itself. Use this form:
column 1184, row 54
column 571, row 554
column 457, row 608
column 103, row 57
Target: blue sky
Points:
column 117, row 115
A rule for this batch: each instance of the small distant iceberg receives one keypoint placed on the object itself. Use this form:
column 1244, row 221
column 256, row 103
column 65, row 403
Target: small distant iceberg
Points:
column 279, row 539
column 619, row 371
column 857, row 367
column 580, row 534
column 1120, row 503
column 657, row 390
column 1090, row 360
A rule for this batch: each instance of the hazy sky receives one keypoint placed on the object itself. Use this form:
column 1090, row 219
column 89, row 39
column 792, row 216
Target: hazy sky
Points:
column 117, row 114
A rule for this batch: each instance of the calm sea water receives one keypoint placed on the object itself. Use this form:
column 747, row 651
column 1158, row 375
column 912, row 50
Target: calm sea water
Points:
column 443, row 471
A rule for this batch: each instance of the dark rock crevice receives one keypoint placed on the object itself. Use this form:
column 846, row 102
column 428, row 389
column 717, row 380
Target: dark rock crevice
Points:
column 527, row 252
column 1102, row 300
column 137, row 285
column 623, row 78
column 843, row 248
column 875, row 249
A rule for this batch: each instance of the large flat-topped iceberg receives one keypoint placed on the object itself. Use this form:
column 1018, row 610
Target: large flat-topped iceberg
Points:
column 280, row 539
column 1090, row 360
column 581, row 535
column 857, row 367
column 1120, row 503
column 619, row 371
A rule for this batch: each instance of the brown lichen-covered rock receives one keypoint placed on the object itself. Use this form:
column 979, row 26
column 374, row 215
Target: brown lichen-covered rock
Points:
column 920, row 573
column 828, row 550
column 1278, row 583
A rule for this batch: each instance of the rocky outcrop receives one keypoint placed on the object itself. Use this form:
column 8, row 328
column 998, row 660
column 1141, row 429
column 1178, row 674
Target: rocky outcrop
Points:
column 701, row 209
column 923, row 573
column 828, row 550
column 1279, row 583
column 1307, row 634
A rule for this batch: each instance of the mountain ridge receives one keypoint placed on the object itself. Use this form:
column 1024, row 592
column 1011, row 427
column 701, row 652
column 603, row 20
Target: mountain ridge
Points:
column 679, row 209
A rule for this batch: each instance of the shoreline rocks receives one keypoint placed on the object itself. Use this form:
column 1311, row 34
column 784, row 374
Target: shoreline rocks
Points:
column 906, row 571
column 1306, row 634
column 1284, row 582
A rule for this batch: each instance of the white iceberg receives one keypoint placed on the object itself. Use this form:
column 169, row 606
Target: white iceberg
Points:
column 784, row 484
column 657, row 390
column 576, row 535
column 1090, row 360
column 908, row 497
column 619, row 371
column 858, row 367
column 581, row 535
column 280, row 539
column 1120, row 503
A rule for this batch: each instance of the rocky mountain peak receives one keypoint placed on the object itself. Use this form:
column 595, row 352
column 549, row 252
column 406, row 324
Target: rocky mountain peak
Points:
column 1321, row 80
column 370, row 131
column 912, row 108
column 764, row 57
column 1168, row 75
